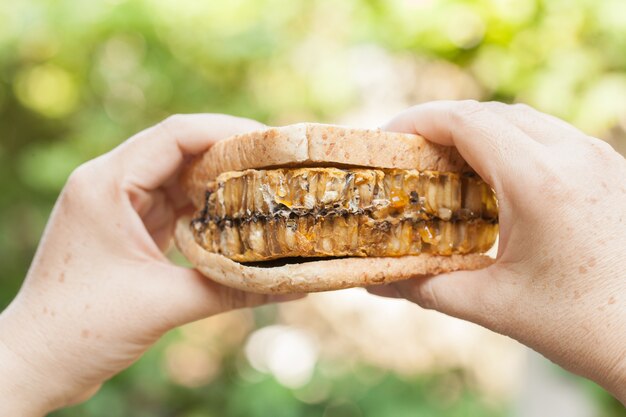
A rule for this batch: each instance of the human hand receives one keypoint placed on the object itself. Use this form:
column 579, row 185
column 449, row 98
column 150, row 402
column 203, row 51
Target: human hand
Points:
column 100, row 291
column 559, row 281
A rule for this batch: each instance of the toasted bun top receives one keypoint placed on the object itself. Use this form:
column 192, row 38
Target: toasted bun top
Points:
column 324, row 275
column 315, row 144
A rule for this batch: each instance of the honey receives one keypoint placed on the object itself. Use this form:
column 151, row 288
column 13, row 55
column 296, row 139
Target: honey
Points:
column 258, row 215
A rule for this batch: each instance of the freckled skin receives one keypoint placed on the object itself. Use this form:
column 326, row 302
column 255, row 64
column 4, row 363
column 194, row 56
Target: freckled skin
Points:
column 100, row 291
column 558, row 281
column 121, row 294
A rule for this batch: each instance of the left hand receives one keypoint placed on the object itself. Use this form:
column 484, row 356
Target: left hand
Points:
column 100, row 291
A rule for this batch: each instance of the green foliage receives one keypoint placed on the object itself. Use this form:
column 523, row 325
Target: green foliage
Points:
column 77, row 78
column 258, row 395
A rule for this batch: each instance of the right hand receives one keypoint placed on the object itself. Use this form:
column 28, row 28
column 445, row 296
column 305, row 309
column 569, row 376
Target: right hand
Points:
column 100, row 290
column 559, row 281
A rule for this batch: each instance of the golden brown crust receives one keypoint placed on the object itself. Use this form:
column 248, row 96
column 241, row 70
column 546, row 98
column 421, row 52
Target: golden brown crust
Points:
column 310, row 144
column 316, row 276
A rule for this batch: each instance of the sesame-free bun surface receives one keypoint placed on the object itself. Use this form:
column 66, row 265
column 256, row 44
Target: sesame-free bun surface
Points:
column 313, row 144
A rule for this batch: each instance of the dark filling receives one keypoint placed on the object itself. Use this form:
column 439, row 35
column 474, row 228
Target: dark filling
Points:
column 282, row 211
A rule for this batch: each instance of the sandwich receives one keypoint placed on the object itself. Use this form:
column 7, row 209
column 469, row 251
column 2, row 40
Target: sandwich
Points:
column 313, row 207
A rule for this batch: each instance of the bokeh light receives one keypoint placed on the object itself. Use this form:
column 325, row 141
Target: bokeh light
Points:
column 77, row 78
column 287, row 353
column 48, row 90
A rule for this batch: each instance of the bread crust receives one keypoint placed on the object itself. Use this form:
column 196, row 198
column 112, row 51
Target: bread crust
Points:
column 310, row 144
column 315, row 276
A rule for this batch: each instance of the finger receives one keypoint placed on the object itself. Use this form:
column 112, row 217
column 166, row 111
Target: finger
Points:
column 187, row 211
column 176, row 194
column 541, row 127
column 184, row 295
column 493, row 146
column 480, row 296
column 157, row 214
column 385, row 290
column 150, row 158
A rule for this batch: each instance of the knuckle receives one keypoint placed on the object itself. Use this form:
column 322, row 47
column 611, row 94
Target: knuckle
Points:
column 85, row 185
column 171, row 125
column 468, row 108
column 602, row 161
column 497, row 106
column 172, row 122
column 464, row 111
column 602, row 148
column 81, row 179
column 522, row 108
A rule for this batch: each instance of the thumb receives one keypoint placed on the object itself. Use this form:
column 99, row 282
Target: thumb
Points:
column 185, row 295
column 480, row 296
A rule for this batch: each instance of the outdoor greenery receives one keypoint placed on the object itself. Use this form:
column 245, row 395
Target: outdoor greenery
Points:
column 77, row 78
column 146, row 391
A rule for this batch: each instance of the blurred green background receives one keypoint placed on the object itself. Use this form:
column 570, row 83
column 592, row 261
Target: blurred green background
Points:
column 77, row 78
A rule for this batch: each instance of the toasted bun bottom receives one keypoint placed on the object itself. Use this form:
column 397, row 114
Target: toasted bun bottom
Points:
column 315, row 276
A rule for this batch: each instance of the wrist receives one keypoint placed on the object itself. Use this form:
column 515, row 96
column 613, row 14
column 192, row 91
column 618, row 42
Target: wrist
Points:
column 616, row 380
column 613, row 373
column 605, row 358
column 17, row 390
column 20, row 385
